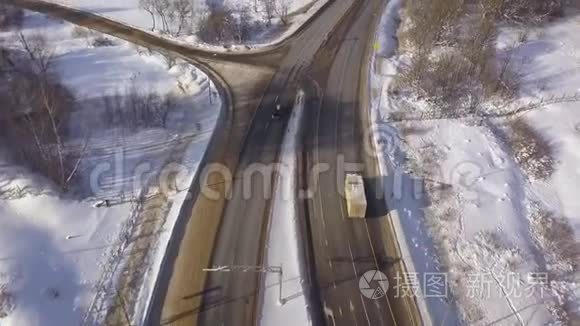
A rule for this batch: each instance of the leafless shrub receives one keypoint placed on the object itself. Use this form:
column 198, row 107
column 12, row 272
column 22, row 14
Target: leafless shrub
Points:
column 556, row 237
column 412, row 76
column 10, row 17
column 170, row 60
column 39, row 52
column 526, row 11
column 455, row 65
column 503, row 81
column 457, row 79
column 6, row 301
column 225, row 25
column 446, row 80
column 81, row 32
column 397, row 116
column 53, row 293
column 102, row 41
column 136, row 108
column 142, row 50
column 428, row 162
column 478, row 45
column 557, row 240
column 432, row 22
column 15, row 192
column 531, row 150
column 523, row 36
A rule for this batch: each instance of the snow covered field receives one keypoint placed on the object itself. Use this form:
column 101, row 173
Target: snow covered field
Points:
column 129, row 12
column 284, row 241
column 59, row 254
column 508, row 241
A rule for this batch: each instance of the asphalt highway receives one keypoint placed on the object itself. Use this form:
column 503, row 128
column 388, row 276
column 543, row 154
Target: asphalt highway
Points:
column 231, row 298
column 344, row 249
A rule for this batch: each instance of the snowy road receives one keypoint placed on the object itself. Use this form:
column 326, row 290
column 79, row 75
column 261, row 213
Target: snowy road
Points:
column 345, row 249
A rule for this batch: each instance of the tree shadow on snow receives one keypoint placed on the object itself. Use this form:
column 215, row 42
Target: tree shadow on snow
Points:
column 46, row 285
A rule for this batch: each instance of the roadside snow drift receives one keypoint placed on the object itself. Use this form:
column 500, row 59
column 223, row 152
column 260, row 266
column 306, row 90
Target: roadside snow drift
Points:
column 288, row 307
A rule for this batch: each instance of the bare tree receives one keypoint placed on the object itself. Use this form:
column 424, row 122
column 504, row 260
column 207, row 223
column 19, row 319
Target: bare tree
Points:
column 269, row 9
column 38, row 124
column 37, row 113
column 76, row 158
column 241, row 25
column 149, row 7
column 38, row 50
column 182, row 10
column 216, row 26
column 113, row 107
column 169, row 103
column 50, row 105
column 163, row 9
column 283, row 9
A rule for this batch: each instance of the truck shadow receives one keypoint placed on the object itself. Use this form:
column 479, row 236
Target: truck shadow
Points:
column 392, row 192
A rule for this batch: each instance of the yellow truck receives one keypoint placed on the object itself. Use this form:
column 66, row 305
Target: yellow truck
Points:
column 356, row 200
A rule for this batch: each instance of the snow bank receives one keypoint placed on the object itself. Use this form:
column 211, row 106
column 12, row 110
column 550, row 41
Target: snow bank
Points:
column 415, row 245
column 284, row 240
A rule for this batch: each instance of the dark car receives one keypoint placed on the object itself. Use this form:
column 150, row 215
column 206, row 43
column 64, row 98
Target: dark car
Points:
column 277, row 112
